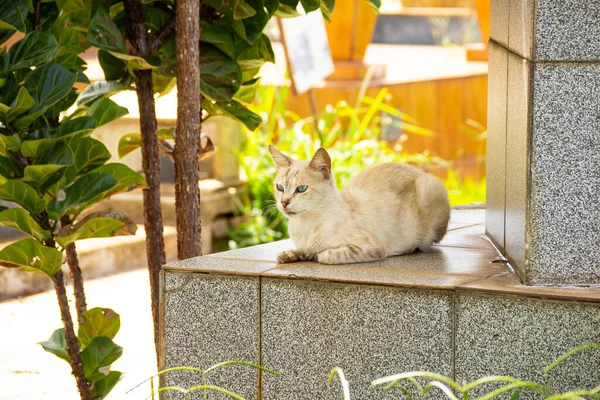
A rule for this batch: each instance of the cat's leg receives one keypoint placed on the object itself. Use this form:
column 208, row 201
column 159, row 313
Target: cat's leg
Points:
column 291, row 256
column 357, row 251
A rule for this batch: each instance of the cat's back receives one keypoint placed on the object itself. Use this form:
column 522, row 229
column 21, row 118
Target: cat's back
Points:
column 394, row 177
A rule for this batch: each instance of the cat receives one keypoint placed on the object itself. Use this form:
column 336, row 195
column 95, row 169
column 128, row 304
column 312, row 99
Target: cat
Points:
column 388, row 209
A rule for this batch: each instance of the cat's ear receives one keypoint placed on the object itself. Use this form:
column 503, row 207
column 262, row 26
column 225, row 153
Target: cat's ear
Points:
column 321, row 162
column 280, row 159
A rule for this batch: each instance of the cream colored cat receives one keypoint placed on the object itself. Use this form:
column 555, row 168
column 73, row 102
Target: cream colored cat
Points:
column 386, row 210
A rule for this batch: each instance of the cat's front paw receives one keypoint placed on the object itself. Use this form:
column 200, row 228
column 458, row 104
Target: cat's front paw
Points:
column 328, row 257
column 288, row 256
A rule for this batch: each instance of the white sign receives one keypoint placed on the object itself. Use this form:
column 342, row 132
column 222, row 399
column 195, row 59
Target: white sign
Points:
column 307, row 49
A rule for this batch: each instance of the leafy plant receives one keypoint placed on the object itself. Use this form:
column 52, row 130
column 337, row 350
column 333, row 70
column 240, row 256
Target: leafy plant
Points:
column 52, row 171
column 204, row 387
column 353, row 135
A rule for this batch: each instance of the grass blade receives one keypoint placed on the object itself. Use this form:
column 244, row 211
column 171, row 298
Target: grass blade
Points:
column 570, row 353
column 343, row 381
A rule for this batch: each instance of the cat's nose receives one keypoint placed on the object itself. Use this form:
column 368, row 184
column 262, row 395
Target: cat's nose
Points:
column 285, row 203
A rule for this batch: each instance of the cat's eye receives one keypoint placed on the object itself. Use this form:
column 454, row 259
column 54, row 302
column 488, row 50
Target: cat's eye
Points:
column 301, row 188
column 279, row 187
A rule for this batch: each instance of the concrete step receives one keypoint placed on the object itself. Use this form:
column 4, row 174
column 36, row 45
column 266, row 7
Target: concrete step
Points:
column 458, row 310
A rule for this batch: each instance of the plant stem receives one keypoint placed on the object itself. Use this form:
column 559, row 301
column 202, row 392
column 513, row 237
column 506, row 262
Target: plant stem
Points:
column 77, row 278
column 187, row 192
column 155, row 248
column 36, row 15
column 71, row 339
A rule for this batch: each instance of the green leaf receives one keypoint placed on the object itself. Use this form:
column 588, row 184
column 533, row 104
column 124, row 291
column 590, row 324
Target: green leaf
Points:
column 375, row 5
column 105, row 110
column 48, row 15
column 136, row 62
column 34, row 49
column 100, row 89
column 114, row 69
column 20, row 104
column 18, row 218
column 88, row 154
column 94, row 228
column 78, row 126
column 57, row 345
column 100, row 352
column 126, row 177
column 86, row 190
column 6, row 34
column 242, row 10
column 98, row 322
column 44, row 175
column 68, row 46
column 255, row 25
column 104, row 386
column 327, row 9
column 129, row 143
column 235, row 110
column 310, row 5
column 255, row 56
column 247, row 91
column 220, row 35
column 13, row 14
column 221, row 76
column 31, row 256
column 289, row 9
column 71, row 6
column 104, row 33
column 9, row 144
column 22, row 194
column 47, row 85
column 8, row 169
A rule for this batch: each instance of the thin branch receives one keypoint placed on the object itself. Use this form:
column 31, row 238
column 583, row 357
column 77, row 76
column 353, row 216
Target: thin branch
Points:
column 163, row 34
column 36, row 15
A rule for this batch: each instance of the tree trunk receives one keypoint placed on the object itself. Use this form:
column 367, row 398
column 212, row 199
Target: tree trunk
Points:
column 187, row 193
column 155, row 247
column 71, row 339
column 77, row 278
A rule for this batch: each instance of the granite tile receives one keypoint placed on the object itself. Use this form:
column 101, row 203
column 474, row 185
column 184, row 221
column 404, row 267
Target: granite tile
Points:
column 468, row 216
column 565, row 211
column 521, row 27
column 225, row 266
column 207, row 320
column 504, row 335
column 264, row 252
column 509, row 283
column 369, row 331
column 496, row 141
column 567, row 30
column 499, row 12
column 517, row 163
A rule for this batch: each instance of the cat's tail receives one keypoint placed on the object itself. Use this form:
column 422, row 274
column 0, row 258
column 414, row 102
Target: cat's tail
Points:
column 434, row 208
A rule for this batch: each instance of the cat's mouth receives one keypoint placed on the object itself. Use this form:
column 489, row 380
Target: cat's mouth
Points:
column 290, row 213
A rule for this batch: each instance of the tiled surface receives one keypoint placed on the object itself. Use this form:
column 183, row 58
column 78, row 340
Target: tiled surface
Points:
column 521, row 25
column 209, row 319
column 227, row 266
column 498, row 335
column 470, row 237
column 517, row 164
column 496, row 141
column 567, row 30
column 565, row 211
column 369, row 331
column 499, row 12
column 509, row 283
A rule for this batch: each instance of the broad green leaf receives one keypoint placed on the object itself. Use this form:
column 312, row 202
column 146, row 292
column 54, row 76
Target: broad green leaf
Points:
column 31, row 256
column 104, row 34
column 136, row 62
column 247, row 91
column 100, row 89
column 310, row 5
column 163, row 85
column 104, row 386
column 80, row 126
column 242, row 10
column 44, row 175
column 63, row 104
column 71, row 6
column 47, row 85
column 80, row 194
column 57, row 345
column 34, row 49
column 22, row 194
column 219, row 35
column 129, row 143
column 114, row 69
column 375, row 5
column 8, row 169
column 6, row 34
column 94, row 228
column 257, row 55
column 9, row 144
column 287, row 11
column 18, row 218
column 155, row 18
column 126, row 177
column 20, row 104
column 59, row 153
column 255, row 25
column 327, row 9
column 100, row 352
column 88, row 154
column 13, row 14
column 235, row 110
column 68, row 46
column 221, row 76
column 98, row 322
column 105, row 110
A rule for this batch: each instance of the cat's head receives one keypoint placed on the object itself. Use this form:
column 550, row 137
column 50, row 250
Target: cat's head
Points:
column 302, row 186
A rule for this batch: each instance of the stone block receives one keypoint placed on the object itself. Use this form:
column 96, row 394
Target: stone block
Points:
column 369, row 331
column 208, row 319
column 496, row 142
column 499, row 22
column 507, row 335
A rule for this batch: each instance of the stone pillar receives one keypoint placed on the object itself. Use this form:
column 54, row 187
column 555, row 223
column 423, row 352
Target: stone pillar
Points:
column 544, row 139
